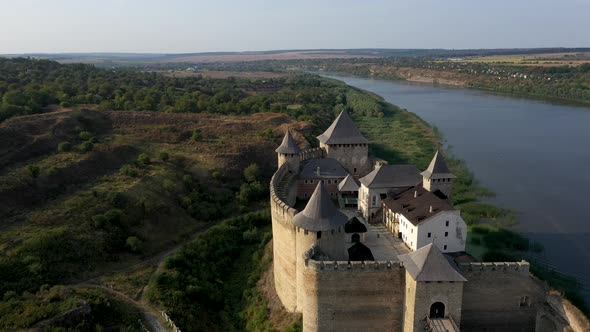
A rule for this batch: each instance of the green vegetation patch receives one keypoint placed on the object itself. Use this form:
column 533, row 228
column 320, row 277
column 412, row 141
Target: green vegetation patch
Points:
column 203, row 285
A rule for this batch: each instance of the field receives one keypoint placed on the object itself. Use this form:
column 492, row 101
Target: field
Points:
column 541, row 59
column 219, row 74
column 210, row 57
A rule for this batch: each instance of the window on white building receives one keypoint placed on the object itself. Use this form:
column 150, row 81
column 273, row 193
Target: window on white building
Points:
column 429, row 234
column 445, row 247
column 446, row 234
column 447, row 223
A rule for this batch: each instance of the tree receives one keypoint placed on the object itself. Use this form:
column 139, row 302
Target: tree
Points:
column 85, row 135
column 197, row 136
column 64, row 147
column 33, row 170
column 251, row 173
column 143, row 159
column 163, row 156
column 134, row 244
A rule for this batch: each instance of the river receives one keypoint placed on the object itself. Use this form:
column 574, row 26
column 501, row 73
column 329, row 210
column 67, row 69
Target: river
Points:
column 534, row 155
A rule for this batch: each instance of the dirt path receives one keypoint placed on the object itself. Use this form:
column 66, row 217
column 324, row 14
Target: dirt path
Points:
column 152, row 318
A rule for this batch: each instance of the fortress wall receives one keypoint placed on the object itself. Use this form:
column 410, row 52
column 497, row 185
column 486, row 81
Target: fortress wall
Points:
column 311, row 153
column 493, row 293
column 283, row 233
column 355, row 296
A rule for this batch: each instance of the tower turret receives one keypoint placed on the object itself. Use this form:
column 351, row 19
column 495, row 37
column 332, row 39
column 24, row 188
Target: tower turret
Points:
column 345, row 143
column 434, row 288
column 321, row 225
column 438, row 176
column 288, row 152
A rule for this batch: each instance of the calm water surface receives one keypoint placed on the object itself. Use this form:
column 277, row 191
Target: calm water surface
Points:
column 534, row 155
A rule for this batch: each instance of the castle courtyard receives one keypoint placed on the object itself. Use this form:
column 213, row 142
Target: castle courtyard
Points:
column 384, row 246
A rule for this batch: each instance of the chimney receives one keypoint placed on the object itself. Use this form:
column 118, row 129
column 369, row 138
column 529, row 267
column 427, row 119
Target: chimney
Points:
column 431, row 209
column 317, row 170
column 415, row 193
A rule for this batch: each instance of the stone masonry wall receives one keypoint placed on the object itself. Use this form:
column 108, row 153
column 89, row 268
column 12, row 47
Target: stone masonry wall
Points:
column 500, row 297
column 356, row 296
column 283, row 234
column 421, row 295
column 351, row 156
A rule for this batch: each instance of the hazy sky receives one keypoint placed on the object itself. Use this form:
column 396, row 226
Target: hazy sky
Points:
column 174, row 26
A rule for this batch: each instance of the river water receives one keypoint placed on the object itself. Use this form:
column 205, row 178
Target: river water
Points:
column 534, row 155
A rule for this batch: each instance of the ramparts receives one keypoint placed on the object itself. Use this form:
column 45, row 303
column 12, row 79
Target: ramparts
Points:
column 353, row 296
column 522, row 267
column 501, row 296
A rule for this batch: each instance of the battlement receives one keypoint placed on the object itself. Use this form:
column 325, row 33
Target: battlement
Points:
column 521, row 267
column 350, row 265
column 311, row 153
column 275, row 187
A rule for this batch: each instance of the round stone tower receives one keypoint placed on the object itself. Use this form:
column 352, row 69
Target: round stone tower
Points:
column 319, row 225
column 288, row 152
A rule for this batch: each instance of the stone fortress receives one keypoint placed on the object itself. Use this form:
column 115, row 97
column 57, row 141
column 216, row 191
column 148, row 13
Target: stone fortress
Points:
column 362, row 245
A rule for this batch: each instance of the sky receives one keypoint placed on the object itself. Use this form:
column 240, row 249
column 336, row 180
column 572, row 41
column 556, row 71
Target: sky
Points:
column 183, row 26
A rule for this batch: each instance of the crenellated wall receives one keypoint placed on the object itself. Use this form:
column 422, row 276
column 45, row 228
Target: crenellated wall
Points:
column 500, row 297
column 283, row 233
column 353, row 296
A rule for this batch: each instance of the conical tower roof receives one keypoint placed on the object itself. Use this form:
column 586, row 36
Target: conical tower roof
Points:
column 343, row 131
column 288, row 146
column 348, row 184
column 429, row 264
column 320, row 214
column 438, row 168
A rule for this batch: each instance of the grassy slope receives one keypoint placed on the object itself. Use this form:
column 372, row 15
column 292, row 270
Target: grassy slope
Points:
column 55, row 237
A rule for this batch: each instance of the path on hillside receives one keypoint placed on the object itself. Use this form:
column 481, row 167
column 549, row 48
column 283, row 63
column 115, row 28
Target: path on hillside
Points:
column 151, row 317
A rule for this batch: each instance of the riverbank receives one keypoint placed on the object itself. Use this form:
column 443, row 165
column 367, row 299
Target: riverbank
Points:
column 399, row 136
column 444, row 78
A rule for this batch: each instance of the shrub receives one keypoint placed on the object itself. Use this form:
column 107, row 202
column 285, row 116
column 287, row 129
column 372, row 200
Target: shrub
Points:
column 85, row 135
column 52, row 171
column 117, row 199
column 168, row 185
column 93, row 140
column 99, row 221
column 217, row 175
column 134, row 244
column 197, row 135
column 143, row 159
column 128, row 170
column 64, row 147
column 251, row 173
column 33, row 170
column 86, row 146
column 163, row 156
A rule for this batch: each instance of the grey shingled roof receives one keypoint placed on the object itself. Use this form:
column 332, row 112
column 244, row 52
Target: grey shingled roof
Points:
column 320, row 214
column 438, row 168
column 429, row 264
column 288, row 146
column 414, row 204
column 348, row 184
column 343, row 131
column 329, row 168
column 392, row 176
